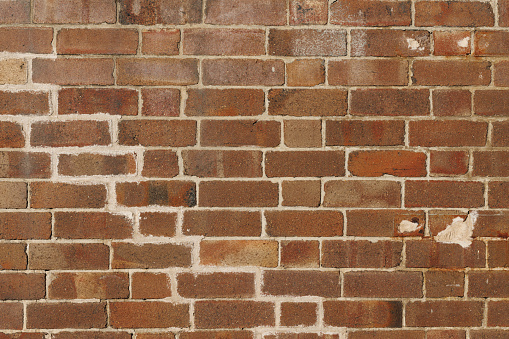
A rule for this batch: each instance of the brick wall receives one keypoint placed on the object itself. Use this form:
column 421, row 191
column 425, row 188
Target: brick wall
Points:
column 242, row 169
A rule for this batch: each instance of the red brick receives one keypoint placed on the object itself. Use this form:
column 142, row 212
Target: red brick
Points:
column 132, row 255
column 391, row 102
column 73, row 71
column 222, row 164
column 452, row 102
column 245, row 12
column 156, row 71
column 361, row 254
column 26, row 39
column 498, row 253
column 149, row 12
column 308, row 102
column 305, row 164
column 442, row 284
column 390, row 334
column 11, row 135
column 307, row 42
column 498, row 194
column 173, row 133
column 61, row 195
column 13, row 257
column 363, row 72
column 66, row 315
column 156, row 193
column 366, row 314
column 298, row 313
column 430, row 254
column 500, row 134
column 15, row 12
column 78, row 133
column 154, row 314
column 300, row 254
column 383, row 223
column 448, row 133
column 385, row 42
column 215, row 335
column 298, row 223
column 451, row 72
column 74, row 11
column 160, row 164
column 362, row 193
column 379, row 163
column 243, row 72
column 489, row 43
column 238, row 194
column 370, row 284
column 491, row 103
column 233, row 314
column 22, row 286
column 25, row 165
column 119, row 101
column 12, row 316
column 216, row 285
column 22, row 335
column 441, row 193
column 224, row 102
column 88, row 334
column 222, row 223
column 263, row 253
column 160, row 102
column 371, row 13
column 92, row 225
column 301, row 335
column 160, row 41
column 501, row 73
column 232, row 133
column 453, row 13
column 446, row 334
column 308, row 12
column 305, row 72
column 97, row 41
column 497, row 313
column 301, row 283
column 96, row 164
column 301, row 193
column 21, row 226
column 490, row 223
column 147, row 285
column 486, row 284
column 442, row 313
column 364, row 133
column 24, row 103
column 450, row 43
column 491, row 164
column 207, row 41
column 488, row 334
column 61, row 256
column 86, row 285
column 158, row 224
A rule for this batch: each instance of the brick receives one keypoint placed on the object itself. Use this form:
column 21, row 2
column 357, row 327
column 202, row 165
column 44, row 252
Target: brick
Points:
column 366, row 313
column 300, row 254
column 74, row 12
column 449, row 43
column 158, row 224
column 61, row 195
column 488, row 334
column 305, row 72
column 131, row 255
column 449, row 334
column 219, row 41
column 233, row 314
column 451, row 102
column 491, row 164
column 13, row 71
column 297, row 223
column 97, row 41
column 73, row 71
column 301, row 335
column 156, row 71
column 87, row 334
column 86, row 285
column 262, row 253
column 486, row 284
column 25, row 39
column 216, row 285
column 378, row 223
column 11, row 135
column 442, row 313
column 498, row 194
column 15, row 12
column 14, row 195
column 232, row 133
column 379, row 163
column 361, row 254
column 61, row 256
column 119, row 101
column 160, row 102
column 160, row 41
column 25, row 165
column 308, row 12
column 364, row 72
column 245, row 12
column 222, row 164
column 433, row 133
column 451, row 73
column 24, row 103
column 238, row 194
column 307, row 42
column 489, row 223
column 442, row 193
column 453, row 13
column 156, row 193
column 22, row 335
column 491, row 103
column 66, row 315
column 500, row 134
column 308, row 102
column 22, row 286
column 442, row 284
column 224, row 102
column 498, row 254
column 160, row 164
column 488, row 43
column 362, row 193
column 13, row 257
column 389, row 43
column 148, row 12
column 364, row 133
column 216, row 334
column 153, row 314
column 501, row 73
column 298, row 313
column 85, row 164
column 155, row 335
column 503, row 13
column 21, row 226
column 92, row 225
column 390, row 334
column 222, row 223
column 173, row 133
column 301, row 283
column 390, row 102
column 370, row 284
column 243, row 72
column 497, row 313
column 12, row 316
column 430, row 254
column 305, row 164
column 77, row 133
column 301, row 193
column 371, row 13
column 147, row 285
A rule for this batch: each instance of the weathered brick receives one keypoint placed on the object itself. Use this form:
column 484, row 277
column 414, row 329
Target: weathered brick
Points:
column 13, row 257
column 307, row 42
column 222, row 164
column 173, row 133
column 92, row 225
column 300, row 254
column 442, row 284
column 222, row 223
column 15, row 194
column 308, row 102
column 489, row 43
column 73, row 71
column 364, row 133
column 452, row 102
column 160, row 102
column 158, row 224
column 365, row 72
column 489, row 223
column 87, row 334
column 207, row 41
column 366, row 314
column 131, row 255
column 12, row 316
column 442, row 313
column 488, row 334
column 119, row 101
column 305, row 164
column 87, row 285
column 24, row 103
column 305, row 72
column 22, row 335
column 301, row 193
column 11, row 135
column 298, row 313
column 387, row 43
column 232, row 133
column 361, row 253
column 379, row 163
column 17, row 226
column 383, row 223
column 451, row 72
column 25, row 39
column 25, row 165
column 501, row 73
column 433, row 133
column 156, row 71
column 391, row 102
column 371, row 13
column 301, row 335
column 454, row 13
column 449, row 334
column 66, row 315
column 238, row 194
column 233, row 314
column 147, row 285
column 262, row 253
column 97, row 41
column 243, row 72
column 160, row 41
column 498, row 194
column 245, row 12
column 22, row 286
column 96, row 164
column 304, row 223
column 491, row 103
column 74, row 11
column 15, row 12
column 362, row 193
column 160, row 164
column 224, row 102
column 301, row 283
column 149, row 12
column 500, row 134
column 78, row 133
column 216, row 285
column 390, row 334
column 13, row 71
column 156, row 193
column 488, row 284
column 450, row 43
column 491, row 164
column 62, row 195
column 430, row 254
column 498, row 253
column 308, row 12
column 441, row 193
column 207, row 334
column 60, row 256
column 303, row 133
column 153, row 314
column 370, row 284
column 497, row 313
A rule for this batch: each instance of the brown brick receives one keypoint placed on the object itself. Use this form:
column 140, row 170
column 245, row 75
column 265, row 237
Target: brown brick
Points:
column 503, row 13
column 453, row 13
column 97, row 41
column 501, row 74
column 305, row 72
column 430, row 254
column 219, row 41
column 14, row 195
column 119, row 101
column 362, row 193
column 371, row 13
column 66, row 315
column 491, row 103
column 158, row 224
column 74, row 11
column 379, row 163
column 238, row 194
column 442, row 313
column 233, row 133
column 367, row 313
column 86, row 285
column 498, row 253
column 160, row 41
column 245, row 12
column 441, row 193
column 156, row 71
column 486, row 284
column 16, row 226
column 13, row 257
column 160, row 102
column 147, row 285
column 497, row 313
column 15, row 12
column 370, row 284
column 451, row 72
column 305, row 164
column 301, row 283
column 298, row 313
column 301, row 193
column 96, row 164
column 432, row 133
column 262, row 253
column 216, row 285
column 390, row 334
column 308, row 12
column 488, row 334
column 156, row 193
column 489, row 43
column 363, row 72
column 93, row 334
column 215, row 335
column 222, row 223
column 25, row 165
column 24, row 103
column 22, row 286
column 11, row 135
column 60, row 256
column 224, row 102
column 361, row 254
column 173, row 133
column 22, row 335
column 78, row 133
column 300, row 254
column 500, row 134
column 153, row 314
column 491, row 224
column 301, row 335
column 243, row 72
column 149, row 12
column 383, row 223
column 233, row 314
column 12, row 316
column 307, row 42
column 498, row 194
column 446, row 334
column 387, row 43
column 72, row 71
column 222, row 164
column 491, row 164
column 132, row 255
column 61, row 195
column 442, row 284
column 160, row 164
column 451, row 43
column 25, row 39
column 452, row 102
column 13, row 71
column 92, row 225
column 364, row 133
column 308, row 102
column 391, row 102
column 304, row 223
column 303, row 133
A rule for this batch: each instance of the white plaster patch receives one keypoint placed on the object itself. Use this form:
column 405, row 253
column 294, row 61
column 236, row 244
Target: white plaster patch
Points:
column 464, row 42
column 407, row 226
column 414, row 44
column 459, row 232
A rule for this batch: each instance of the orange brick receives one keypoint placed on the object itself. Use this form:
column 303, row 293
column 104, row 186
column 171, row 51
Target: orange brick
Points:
column 379, row 163
column 262, row 253
column 296, row 223
column 147, row 285
column 160, row 41
column 305, row 72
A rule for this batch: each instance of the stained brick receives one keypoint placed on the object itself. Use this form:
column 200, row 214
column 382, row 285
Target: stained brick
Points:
column 308, row 12
column 201, row 41
column 17, row 226
column 216, row 285
column 300, row 254
column 304, row 223
column 130, row 255
column 451, row 72
column 85, row 164
column 74, row 11
column 365, row 72
column 361, row 254
column 371, row 13
column 369, row 284
column 427, row 253
column 366, row 314
column 243, row 72
column 441, row 313
column 25, row 165
column 453, row 13
column 307, row 42
column 301, row 283
column 364, row 133
column 390, row 102
column 173, row 133
column 160, row 41
column 97, row 41
column 72, row 71
column 262, row 253
column 379, row 163
column 78, row 133
column 221, row 223
column 62, row 256
column 308, row 102
column 442, row 284
column 450, row 43
column 87, row 285
column 156, row 71
column 305, row 72
column 154, row 314
column 92, row 225
column 22, row 286
column 366, row 223
column 156, row 193
column 362, row 193
column 390, row 43
column 224, row 102
column 222, row 164
column 233, row 314
column 93, row 101
column 245, row 12
column 238, row 194
column 148, row 12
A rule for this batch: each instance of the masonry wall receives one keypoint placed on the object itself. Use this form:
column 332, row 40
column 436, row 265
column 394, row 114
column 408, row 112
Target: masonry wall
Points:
column 254, row 169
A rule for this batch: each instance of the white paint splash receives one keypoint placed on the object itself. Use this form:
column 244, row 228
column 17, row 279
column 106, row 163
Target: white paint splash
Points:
column 464, row 42
column 459, row 232
column 408, row 226
column 414, row 44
